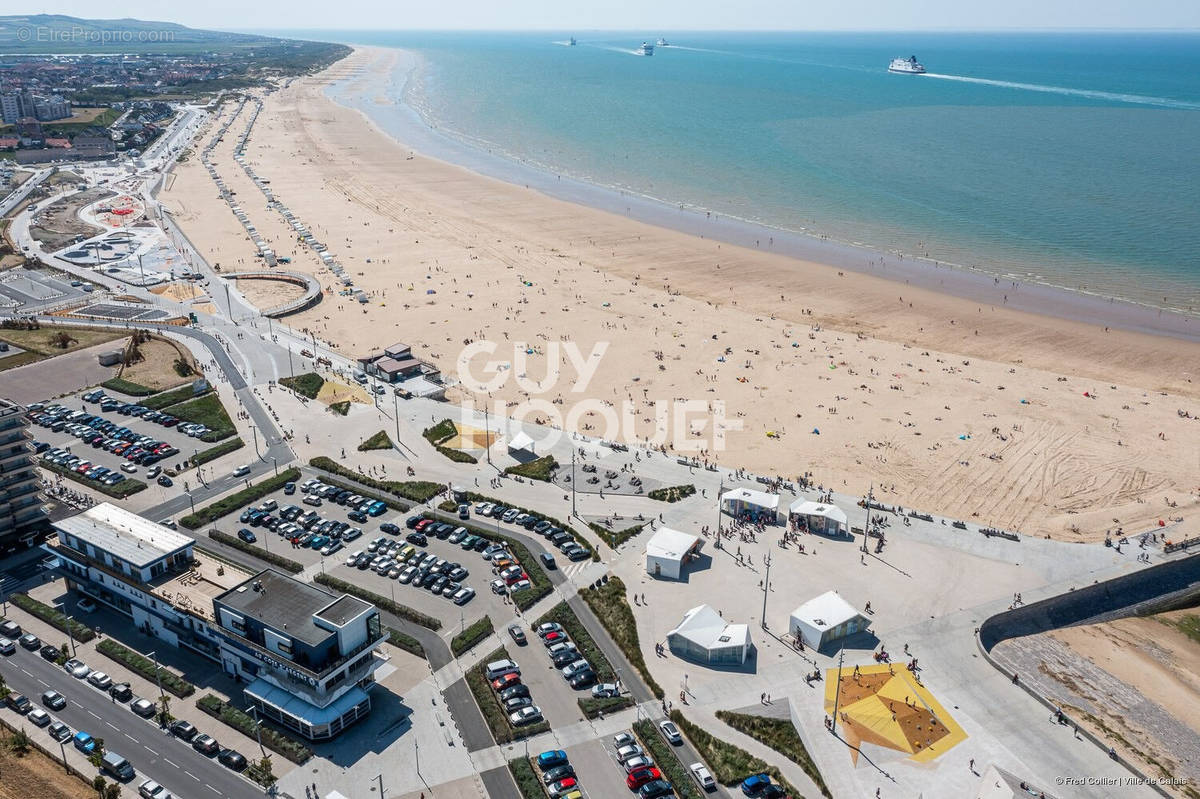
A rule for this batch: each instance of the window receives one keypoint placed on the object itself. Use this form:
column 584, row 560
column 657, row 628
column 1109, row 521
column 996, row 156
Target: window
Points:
column 285, row 649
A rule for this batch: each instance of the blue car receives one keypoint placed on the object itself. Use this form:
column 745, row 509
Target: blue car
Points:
column 376, row 508
column 548, row 760
column 84, row 742
column 754, row 785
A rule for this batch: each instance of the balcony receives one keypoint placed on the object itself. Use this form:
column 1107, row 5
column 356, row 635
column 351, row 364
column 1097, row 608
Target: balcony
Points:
column 325, row 671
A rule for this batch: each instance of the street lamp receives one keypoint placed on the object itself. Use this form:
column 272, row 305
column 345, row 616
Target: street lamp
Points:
column 380, row 778
column 67, row 625
column 258, row 729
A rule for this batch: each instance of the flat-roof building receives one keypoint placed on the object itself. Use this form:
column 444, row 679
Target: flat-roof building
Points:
column 307, row 653
column 668, row 550
column 22, row 512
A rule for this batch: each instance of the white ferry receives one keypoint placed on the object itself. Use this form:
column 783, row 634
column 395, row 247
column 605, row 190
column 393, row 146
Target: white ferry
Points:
column 645, row 49
column 907, row 66
column 662, row 42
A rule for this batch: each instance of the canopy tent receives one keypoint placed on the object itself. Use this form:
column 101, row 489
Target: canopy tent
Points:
column 667, row 551
column 824, row 619
column 746, row 503
column 703, row 636
column 818, row 517
column 521, row 442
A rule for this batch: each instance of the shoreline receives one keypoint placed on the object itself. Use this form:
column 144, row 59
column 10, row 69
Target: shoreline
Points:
column 403, row 124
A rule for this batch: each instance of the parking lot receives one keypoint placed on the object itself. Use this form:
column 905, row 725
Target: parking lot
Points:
column 135, row 447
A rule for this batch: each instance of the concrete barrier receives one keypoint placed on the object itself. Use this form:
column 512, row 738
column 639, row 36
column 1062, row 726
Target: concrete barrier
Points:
column 312, row 290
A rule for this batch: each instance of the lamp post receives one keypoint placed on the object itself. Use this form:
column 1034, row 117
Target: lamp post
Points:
column 68, row 626
column 380, row 778
column 157, row 673
column 837, row 696
column 254, row 430
column 63, row 749
column 258, row 729
column 275, row 461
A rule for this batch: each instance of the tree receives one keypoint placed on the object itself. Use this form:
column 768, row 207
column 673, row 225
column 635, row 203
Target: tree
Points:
column 164, row 710
column 98, row 783
column 19, row 742
column 112, row 791
column 66, row 653
column 62, row 340
column 263, row 767
column 4, row 689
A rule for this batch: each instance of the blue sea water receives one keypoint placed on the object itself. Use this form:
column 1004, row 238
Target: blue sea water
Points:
column 1073, row 159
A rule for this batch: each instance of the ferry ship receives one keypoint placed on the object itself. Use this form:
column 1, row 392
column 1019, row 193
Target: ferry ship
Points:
column 645, row 49
column 907, row 66
column 571, row 42
column 662, row 42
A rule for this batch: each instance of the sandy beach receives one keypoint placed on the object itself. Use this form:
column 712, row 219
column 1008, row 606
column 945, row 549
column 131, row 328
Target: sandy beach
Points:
column 1025, row 421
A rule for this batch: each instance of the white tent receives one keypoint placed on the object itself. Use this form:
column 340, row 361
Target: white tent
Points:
column 819, row 517
column 826, row 618
column 746, row 502
column 667, row 551
column 705, row 637
column 521, row 442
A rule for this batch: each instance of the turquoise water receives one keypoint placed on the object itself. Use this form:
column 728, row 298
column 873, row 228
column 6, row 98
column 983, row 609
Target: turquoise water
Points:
column 1070, row 159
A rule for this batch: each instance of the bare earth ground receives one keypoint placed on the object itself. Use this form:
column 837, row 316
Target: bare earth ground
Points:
column 265, row 294
column 973, row 411
column 34, row 774
column 60, row 223
column 39, row 340
column 156, row 369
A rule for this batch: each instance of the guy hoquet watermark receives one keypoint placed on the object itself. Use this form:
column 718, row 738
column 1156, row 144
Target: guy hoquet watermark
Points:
column 76, row 34
column 684, row 425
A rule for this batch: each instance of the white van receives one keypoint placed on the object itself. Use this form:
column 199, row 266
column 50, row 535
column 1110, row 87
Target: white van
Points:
column 498, row 668
column 241, row 471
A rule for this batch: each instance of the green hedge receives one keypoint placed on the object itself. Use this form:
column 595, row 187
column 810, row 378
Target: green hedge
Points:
column 405, row 641
column 563, row 614
column 226, row 506
column 539, row 469
column 579, row 539
column 673, row 493
column 440, row 432
column 306, row 385
column 593, row 707
column 172, row 397
column 413, row 490
column 121, row 490
column 611, row 607
column 403, row 611
column 457, row 455
column 145, row 667
column 667, row 761
column 730, row 764
column 127, row 387
column 780, row 735
column 212, row 453
column 272, row 738
column 472, row 635
column 526, row 779
column 489, row 704
column 287, row 564
column 380, row 440
column 614, row 538
column 53, row 617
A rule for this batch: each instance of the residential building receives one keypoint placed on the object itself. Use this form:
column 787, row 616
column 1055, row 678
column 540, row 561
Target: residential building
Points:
column 22, row 511
column 50, row 108
column 306, row 653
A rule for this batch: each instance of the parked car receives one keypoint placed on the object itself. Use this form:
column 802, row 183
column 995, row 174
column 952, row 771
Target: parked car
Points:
column 557, row 773
column 50, row 652
column 54, row 700
column 232, row 759
column 143, row 707
column 121, row 692
column 639, row 777
column 247, row 535
column 77, row 668
column 7, row 647
column 59, row 731
column 755, row 784
column 86, row 605
column 183, row 730
column 100, row 680
column 84, row 742
column 624, row 753
column 30, row 642
column 517, row 634
column 655, row 789
column 605, row 690
column 703, row 776
column 551, row 759
column 670, row 732
column 206, row 745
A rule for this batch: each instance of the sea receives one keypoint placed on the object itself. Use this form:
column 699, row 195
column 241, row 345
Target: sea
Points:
column 1066, row 159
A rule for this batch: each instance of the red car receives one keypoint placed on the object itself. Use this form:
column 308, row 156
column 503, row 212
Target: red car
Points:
column 639, row 777
column 564, row 786
column 554, row 638
column 506, row 681
column 421, row 525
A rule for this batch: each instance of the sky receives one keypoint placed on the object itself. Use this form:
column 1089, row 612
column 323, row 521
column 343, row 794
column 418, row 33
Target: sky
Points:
column 645, row 15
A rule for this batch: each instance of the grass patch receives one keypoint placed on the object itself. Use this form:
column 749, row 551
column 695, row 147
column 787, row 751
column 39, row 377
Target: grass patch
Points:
column 1187, row 624
column 53, row 617
column 441, row 432
column 471, row 636
column 378, row 441
column 592, row 707
column 127, row 387
column 223, row 507
column 730, row 764
column 46, row 341
column 540, row 469
column 672, row 493
column 526, row 779
column 119, row 491
column 666, row 759
column 489, row 704
column 611, row 607
column 405, row 641
column 340, row 408
column 20, row 359
column 413, row 490
column 563, row 614
column 173, row 397
column 306, row 385
column 145, row 667
column 208, row 411
column 287, row 564
column 403, row 611
column 614, row 538
column 780, row 735
column 273, row 739
column 457, row 455
column 212, row 453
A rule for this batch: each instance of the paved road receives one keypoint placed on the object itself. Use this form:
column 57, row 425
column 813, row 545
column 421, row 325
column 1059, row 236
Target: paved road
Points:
column 155, row 754
column 14, row 199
